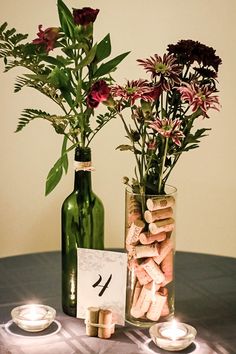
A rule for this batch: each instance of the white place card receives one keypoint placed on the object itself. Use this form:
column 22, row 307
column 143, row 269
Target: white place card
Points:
column 101, row 281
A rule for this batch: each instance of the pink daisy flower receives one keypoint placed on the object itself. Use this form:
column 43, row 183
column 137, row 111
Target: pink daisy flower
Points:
column 166, row 68
column 133, row 90
column 168, row 128
column 199, row 97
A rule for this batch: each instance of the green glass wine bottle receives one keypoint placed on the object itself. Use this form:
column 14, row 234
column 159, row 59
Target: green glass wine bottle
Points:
column 82, row 226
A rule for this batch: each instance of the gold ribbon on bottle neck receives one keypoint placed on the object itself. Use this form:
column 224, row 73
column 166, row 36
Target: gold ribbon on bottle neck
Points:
column 83, row 166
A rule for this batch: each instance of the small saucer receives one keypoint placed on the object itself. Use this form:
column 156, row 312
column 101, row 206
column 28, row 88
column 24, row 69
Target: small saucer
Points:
column 13, row 329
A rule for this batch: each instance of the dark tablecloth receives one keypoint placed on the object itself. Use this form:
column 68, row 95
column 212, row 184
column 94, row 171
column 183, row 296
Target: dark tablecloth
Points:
column 205, row 298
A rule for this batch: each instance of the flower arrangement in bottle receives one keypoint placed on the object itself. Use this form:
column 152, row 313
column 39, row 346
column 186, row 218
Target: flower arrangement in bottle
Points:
column 65, row 65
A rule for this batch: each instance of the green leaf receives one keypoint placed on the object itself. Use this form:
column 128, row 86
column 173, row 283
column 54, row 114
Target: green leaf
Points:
column 88, row 59
column 28, row 115
column 106, row 68
column 58, row 78
column 43, row 78
column 3, row 27
column 67, row 96
column 66, row 19
column 54, row 176
column 124, row 147
column 103, row 49
column 54, row 61
column 64, row 154
column 18, row 37
column 191, row 147
column 20, row 83
column 10, row 32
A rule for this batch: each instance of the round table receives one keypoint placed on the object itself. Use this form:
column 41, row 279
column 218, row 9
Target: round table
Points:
column 205, row 298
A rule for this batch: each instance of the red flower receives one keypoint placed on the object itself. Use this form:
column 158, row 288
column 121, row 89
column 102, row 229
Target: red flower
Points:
column 47, row 38
column 199, row 97
column 85, row 16
column 99, row 92
column 168, row 128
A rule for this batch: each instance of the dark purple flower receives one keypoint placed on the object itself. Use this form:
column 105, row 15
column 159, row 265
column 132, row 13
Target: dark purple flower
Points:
column 85, row 16
column 188, row 51
column 206, row 73
column 99, row 92
column 47, row 38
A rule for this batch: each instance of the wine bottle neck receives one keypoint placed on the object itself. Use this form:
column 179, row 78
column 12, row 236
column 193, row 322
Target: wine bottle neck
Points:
column 83, row 181
column 82, row 169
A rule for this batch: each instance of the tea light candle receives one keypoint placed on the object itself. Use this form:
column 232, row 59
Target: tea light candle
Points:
column 33, row 317
column 173, row 331
column 173, row 335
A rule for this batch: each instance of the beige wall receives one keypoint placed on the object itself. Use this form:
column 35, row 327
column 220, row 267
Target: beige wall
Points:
column 205, row 178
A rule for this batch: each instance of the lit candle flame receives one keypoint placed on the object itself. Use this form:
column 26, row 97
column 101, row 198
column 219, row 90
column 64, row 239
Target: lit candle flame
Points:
column 173, row 331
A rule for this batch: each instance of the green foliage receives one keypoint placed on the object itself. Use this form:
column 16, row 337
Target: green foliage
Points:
column 103, row 49
column 65, row 75
column 125, row 147
column 56, row 172
column 109, row 66
column 28, row 115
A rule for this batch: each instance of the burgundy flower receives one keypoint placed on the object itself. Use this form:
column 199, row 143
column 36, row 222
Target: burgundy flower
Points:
column 188, row 51
column 99, row 92
column 168, row 128
column 134, row 90
column 47, row 38
column 85, row 16
column 199, row 97
column 166, row 68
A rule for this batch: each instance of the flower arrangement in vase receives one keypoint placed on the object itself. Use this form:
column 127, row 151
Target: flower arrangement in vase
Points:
column 163, row 109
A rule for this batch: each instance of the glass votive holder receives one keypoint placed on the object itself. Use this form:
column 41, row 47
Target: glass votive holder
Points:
column 172, row 335
column 33, row 317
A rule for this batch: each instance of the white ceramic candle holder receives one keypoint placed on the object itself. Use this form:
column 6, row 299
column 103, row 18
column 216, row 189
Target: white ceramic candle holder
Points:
column 33, row 317
column 172, row 336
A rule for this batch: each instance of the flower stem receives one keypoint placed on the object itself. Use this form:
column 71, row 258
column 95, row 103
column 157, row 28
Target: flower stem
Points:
column 163, row 165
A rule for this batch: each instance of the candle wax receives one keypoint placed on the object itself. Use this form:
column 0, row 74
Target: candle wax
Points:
column 173, row 330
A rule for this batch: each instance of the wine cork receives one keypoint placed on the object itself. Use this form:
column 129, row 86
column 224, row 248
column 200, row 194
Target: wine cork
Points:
column 143, row 303
column 146, row 238
column 167, row 268
column 156, row 307
column 153, row 270
column 133, row 233
column 141, row 274
column 142, row 251
column 165, row 309
column 105, row 319
column 160, row 214
column 92, row 318
column 165, row 225
column 134, row 210
column 143, row 277
column 165, row 247
column 160, row 202
column 136, row 293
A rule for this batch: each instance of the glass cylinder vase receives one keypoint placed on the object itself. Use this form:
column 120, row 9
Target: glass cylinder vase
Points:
column 82, row 221
column 150, row 229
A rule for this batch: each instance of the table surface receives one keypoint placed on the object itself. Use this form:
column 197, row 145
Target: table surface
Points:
column 205, row 298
